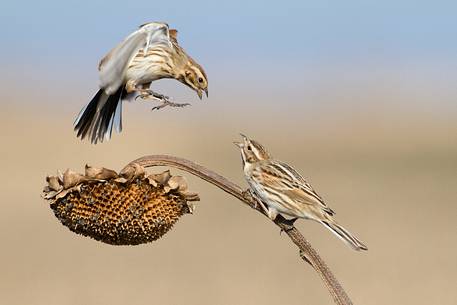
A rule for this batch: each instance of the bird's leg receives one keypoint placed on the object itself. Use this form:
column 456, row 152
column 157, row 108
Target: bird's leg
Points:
column 166, row 102
column 270, row 212
column 266, row 211
column 146, row 93
column 158, row 95
column 250, row 194
column 289, row 223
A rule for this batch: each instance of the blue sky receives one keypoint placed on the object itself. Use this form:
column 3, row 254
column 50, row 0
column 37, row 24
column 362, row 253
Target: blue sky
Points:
column 287, row 43
column 230, row 30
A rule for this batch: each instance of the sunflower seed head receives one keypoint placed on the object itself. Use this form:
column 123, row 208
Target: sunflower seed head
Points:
column 130, row 209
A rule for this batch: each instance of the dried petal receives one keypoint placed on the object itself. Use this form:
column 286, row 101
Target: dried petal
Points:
column 67, row 191
column 161, row 178
column 121, row 180
column 191, row 196
column 60, row 176
column 99, row 173
column 191, row 207
column 49, row 194
column 53, row 183
column 178, row 183
column 151, row 180
column 132, row 172
column 71, row 178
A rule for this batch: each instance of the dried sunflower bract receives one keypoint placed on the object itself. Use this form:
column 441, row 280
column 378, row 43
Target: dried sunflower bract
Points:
column 120, row 209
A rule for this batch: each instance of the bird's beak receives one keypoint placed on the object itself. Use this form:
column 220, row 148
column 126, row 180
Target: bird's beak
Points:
column 206, row 91
column 200, row 93
column 245, row 139
column 239, row 144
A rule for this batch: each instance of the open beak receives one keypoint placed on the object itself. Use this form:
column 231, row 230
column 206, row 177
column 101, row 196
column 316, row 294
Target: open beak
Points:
column 206, row 91
column 200, row 93
column 245, row 139
column 239, row 144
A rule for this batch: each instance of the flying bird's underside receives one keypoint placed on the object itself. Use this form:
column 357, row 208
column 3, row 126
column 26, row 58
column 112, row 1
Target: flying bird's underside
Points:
column 150, row 53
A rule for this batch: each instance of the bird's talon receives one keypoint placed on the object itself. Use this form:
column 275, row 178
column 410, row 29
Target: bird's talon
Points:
column 160, row 96
column 142, row 96
column 288, row 225
column 289, row 228
column 147, row 93
column 166, row 102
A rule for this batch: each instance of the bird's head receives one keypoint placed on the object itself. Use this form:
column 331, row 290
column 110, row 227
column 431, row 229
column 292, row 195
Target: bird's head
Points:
column 195, row 77
column 252, row 151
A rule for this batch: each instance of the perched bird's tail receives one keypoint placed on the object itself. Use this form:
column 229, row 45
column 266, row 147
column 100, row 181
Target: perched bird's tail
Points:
column 344, row 235
column 97, row 119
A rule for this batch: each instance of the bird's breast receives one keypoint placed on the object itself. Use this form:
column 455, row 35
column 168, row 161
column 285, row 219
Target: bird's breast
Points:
column 153, row 66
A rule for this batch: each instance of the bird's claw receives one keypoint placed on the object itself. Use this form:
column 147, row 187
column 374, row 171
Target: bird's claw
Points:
column 146, row 93
column 288, row 224
column 166, row 102
column 149, row 94
column 250, row 194
column 142, row 96
column 159, row 96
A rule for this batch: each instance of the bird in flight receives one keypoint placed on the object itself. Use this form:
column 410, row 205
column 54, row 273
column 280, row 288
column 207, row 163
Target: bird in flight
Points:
column 282, row 190
column 150, row 53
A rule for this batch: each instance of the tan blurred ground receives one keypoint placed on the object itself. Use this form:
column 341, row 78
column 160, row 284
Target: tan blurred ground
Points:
column 389, row 172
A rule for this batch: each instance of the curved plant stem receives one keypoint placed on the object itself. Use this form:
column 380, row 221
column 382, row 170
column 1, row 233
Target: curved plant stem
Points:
column 307, row 252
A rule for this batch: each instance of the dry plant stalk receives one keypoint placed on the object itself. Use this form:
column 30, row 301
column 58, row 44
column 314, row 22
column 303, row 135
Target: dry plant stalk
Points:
column 132, row 185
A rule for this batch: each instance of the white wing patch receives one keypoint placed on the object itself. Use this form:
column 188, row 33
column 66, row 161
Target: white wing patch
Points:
column 113, row 66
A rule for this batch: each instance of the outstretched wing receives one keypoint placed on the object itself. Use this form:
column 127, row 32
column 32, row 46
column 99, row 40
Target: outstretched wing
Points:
column 174, row 35
column 113, row 66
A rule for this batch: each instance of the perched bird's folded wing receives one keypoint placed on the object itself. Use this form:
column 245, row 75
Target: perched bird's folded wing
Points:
column 289, row 182
column 113, row 66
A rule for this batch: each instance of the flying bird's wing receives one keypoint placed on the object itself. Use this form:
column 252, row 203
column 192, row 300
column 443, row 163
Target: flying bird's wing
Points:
column 113, row 66
column 173, row 35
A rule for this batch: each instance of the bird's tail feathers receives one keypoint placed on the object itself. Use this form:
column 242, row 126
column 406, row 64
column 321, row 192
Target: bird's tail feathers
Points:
column 344, row 235
column 101, row 114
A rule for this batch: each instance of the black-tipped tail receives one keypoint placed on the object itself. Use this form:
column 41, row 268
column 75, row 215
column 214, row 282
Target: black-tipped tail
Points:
column 97, row 119
column 345, row 235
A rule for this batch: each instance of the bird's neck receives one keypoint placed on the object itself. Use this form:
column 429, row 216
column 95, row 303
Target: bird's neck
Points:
column 180, row 61
column 248, row 166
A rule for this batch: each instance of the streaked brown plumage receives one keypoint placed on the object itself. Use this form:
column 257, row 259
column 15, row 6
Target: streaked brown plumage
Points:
column 148, row 54
column 282, row 190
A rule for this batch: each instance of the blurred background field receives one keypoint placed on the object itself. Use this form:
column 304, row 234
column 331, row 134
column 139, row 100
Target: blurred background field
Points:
column 360, row 98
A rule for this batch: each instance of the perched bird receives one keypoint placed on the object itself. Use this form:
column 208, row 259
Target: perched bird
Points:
column 283, row 190
column 150, row 53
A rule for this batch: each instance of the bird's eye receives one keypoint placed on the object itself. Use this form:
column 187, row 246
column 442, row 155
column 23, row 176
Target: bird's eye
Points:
column 200, row 80
column 249, row 148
